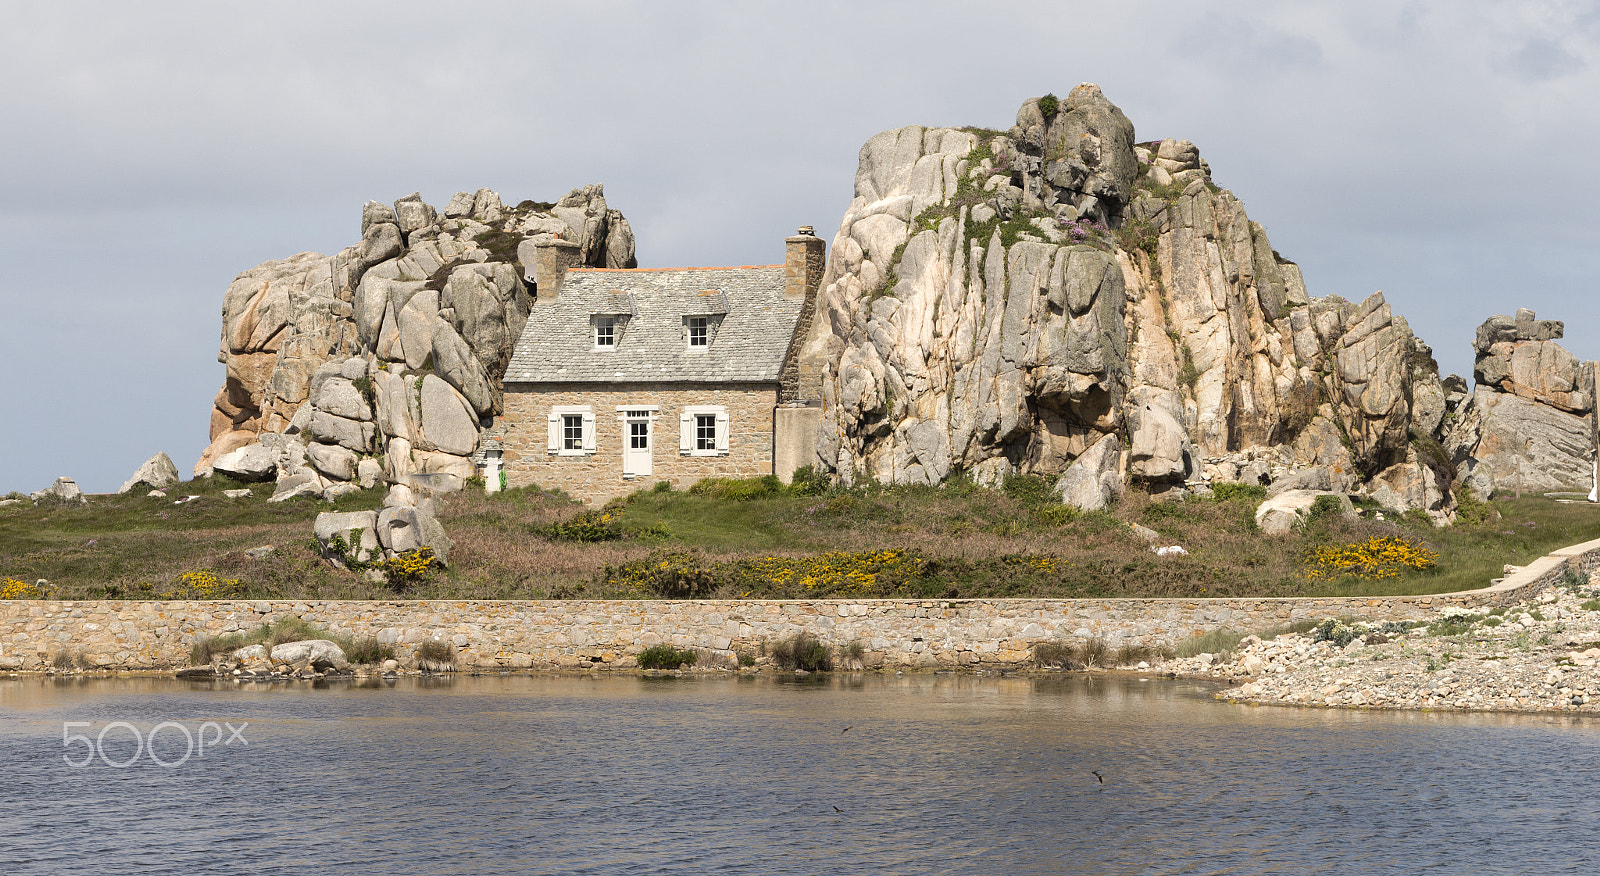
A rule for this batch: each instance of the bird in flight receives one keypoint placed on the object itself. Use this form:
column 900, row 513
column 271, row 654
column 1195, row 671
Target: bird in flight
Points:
column 1096, row 774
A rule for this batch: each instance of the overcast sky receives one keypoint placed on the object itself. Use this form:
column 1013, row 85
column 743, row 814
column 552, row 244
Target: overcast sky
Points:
column 1443, row 152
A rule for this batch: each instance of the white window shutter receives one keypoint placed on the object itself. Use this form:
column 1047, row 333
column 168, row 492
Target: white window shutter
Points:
column 588, row 431
column 722, row 431
column 685, row 432
column 554, row 443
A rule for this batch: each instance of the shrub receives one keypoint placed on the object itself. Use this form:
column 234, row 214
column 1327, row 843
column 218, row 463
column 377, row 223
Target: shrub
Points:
column 809, row 481
column 1228, row 492
column 1056, row 655
column 1214, row 642
column 1156, row 512
column 1057, row 515
column 205, row 584
column 1377, row 558
column 804, row 651
column 738, row 489
column 667, row 574
column 1028, row 489
column 665, row 657
column 435, row 655
column 600, row 524
column 1337, row 632
column 1323, row 510
column 367, row 651
column 11, row 588
column 409, row 567
column 1452, row 625
column 1471, row 509
column 1049, row 105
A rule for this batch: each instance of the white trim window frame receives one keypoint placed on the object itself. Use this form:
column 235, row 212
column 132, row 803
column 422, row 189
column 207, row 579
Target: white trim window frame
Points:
column 607, row 328
column 571, row 431
column 703, row 431
column 697, row 333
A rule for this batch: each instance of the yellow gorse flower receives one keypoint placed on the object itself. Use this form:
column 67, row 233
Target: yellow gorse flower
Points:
column 11, row 588
column 1376, row 559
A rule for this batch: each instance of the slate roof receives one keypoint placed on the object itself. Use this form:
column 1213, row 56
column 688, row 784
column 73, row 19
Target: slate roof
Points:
column 557, row 343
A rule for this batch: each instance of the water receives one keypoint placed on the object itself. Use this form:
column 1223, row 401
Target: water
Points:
column 936, row 774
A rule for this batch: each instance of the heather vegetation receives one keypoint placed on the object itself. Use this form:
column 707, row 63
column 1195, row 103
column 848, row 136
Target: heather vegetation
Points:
column 764, row 539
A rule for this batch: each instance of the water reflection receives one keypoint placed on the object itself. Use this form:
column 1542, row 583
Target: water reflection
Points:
column 917, row 773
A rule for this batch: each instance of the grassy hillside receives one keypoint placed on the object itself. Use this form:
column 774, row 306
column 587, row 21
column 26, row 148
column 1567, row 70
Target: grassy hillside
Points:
column 756, row 539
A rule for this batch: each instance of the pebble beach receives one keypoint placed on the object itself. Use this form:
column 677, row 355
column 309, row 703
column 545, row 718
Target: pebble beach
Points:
column 1539, row 656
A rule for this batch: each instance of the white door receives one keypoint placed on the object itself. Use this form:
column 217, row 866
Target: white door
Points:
column 636, row 438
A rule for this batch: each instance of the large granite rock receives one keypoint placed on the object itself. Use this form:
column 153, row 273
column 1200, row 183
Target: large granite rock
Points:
column 357, row 529
column 1530, row 423
column 305, row 339
column 1283, row 512
column 64, row 489
column 315, row 653
column 156, row 473
column 1094, row 479
column 1020, row 296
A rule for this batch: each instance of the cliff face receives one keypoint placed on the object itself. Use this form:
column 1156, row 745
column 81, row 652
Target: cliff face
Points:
column 1529, row 424
column 1002, row 301
column 393, row 349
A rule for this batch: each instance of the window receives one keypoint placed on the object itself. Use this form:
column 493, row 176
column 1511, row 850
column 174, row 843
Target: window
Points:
column 699, row 332
column 703, row 431
column 571, row 430
column 605, row 333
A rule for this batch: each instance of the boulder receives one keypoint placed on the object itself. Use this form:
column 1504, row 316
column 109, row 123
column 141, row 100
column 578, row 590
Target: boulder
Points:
column 331, row 429
column 333, row 460
column 252, row 464
column 357, row 529
column 1155, row 452
column 1093, row 480
column 317, row 653
column 1281, row 513
column 404, row 528
column 65, row 489
column 303, row 481
column 448, row 421
column 156, row 473
column 339, row 396
column 369, row 472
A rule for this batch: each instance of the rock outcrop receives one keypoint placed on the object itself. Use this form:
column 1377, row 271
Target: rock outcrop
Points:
column 385, row 359
column 64, row 490
column 406, row 522
column 157, row 473
column 1530, row 423
column 1009, row 299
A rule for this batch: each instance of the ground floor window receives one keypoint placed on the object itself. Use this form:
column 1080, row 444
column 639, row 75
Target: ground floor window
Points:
column 703, row 431
column 571, row 430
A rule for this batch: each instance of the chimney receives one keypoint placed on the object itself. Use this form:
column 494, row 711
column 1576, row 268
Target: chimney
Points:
column 804, row 260
column 548, row 265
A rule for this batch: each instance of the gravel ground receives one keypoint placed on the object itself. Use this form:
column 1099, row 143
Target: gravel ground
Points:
column 1539, row 656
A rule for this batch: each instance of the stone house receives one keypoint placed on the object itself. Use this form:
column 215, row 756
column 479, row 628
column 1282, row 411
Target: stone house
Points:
column 622, row 378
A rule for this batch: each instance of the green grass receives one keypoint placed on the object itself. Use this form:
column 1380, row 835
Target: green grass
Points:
column 736, row 538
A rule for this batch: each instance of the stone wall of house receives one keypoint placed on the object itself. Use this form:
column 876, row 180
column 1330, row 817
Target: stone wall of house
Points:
column 598, row 477
column 494, row 635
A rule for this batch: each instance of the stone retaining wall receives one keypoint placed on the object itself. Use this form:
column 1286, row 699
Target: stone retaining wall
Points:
column 114, row 634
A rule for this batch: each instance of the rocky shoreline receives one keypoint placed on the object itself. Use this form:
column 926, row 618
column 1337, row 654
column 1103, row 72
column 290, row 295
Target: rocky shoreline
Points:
column 1537, row 656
